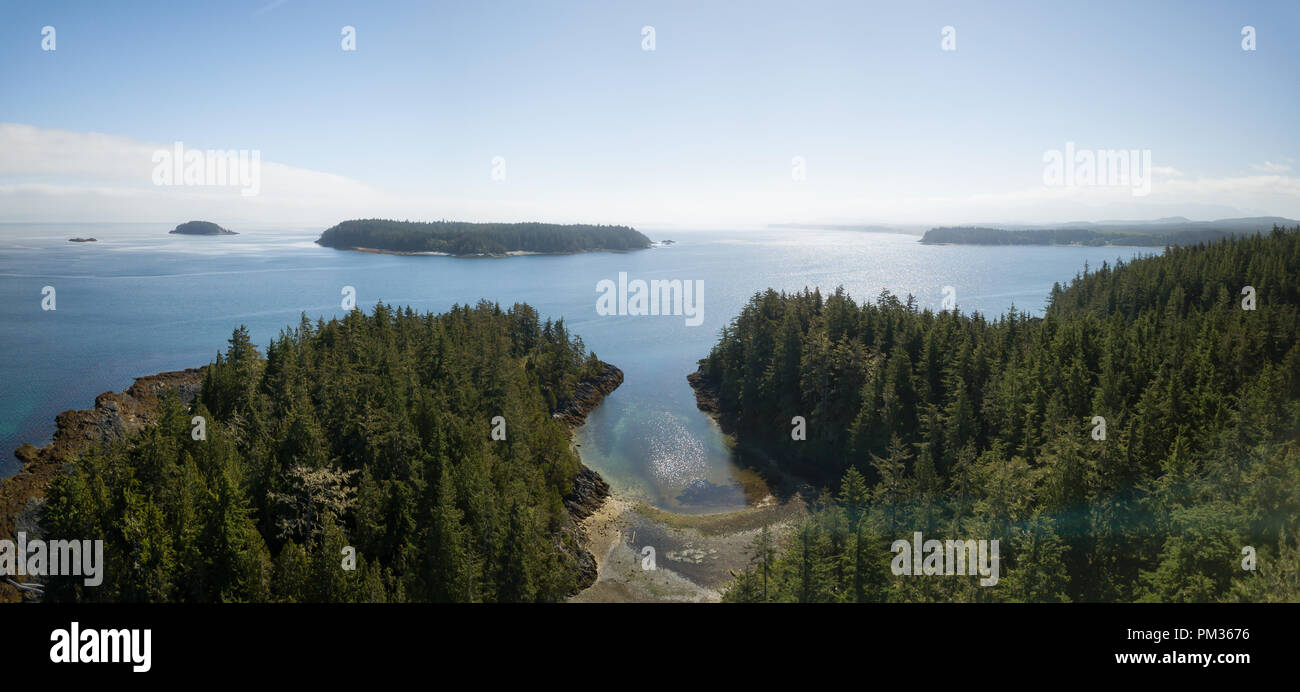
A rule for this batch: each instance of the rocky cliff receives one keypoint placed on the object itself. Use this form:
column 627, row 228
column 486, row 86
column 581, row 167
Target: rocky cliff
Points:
column 706, row 399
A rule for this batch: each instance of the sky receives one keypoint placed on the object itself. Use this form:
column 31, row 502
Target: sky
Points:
column 744, row 113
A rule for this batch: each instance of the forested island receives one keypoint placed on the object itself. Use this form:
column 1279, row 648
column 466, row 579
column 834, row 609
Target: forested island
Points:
column 438, row 446
column 1135, row 444
column 201, row 228
column 479, row 239
column 1159, row 233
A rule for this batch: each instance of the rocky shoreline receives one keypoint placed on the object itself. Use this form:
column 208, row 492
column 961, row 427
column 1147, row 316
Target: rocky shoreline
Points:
column 707, row 398
column 116, row 415
column 588, row 395
column 119, row 414
column 590, row 491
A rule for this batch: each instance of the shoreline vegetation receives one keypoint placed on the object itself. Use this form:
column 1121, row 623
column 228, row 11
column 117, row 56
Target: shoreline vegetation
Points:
column 462, row 239
column 1124, row 447
column 1155, row 234
column 527, row 544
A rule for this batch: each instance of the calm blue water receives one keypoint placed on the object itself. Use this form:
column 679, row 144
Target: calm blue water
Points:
column 141, row 301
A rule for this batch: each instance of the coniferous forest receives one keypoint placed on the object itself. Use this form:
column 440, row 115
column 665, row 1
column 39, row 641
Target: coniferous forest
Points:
column 371, row 431
column 352, row 339
column 1134, row 444
column 461, row 238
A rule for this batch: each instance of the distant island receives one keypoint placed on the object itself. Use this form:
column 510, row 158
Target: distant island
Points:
column 1157, row 233
column 459, row 238
column 201, row 228
column 81, row 240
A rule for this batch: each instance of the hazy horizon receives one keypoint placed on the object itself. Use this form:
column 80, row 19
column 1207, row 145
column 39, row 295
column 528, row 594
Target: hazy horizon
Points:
column 652, row 114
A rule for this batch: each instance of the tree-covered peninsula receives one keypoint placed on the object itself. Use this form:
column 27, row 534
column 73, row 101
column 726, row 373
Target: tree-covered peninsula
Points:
column 1138, row 443
column 491, row 239
column 394, row 456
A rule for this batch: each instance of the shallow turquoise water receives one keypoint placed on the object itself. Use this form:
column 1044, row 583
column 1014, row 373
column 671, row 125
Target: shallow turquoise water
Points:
column 141, row 301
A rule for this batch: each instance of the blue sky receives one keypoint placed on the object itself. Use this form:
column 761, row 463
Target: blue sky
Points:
column 702, row 129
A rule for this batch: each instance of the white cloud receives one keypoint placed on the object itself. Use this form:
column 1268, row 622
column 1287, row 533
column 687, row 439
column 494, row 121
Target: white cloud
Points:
column 1270, row 167
column 55, row 175
column 60, row 176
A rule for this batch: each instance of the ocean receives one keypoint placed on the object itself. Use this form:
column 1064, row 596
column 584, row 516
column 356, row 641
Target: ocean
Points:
column 140, row 301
